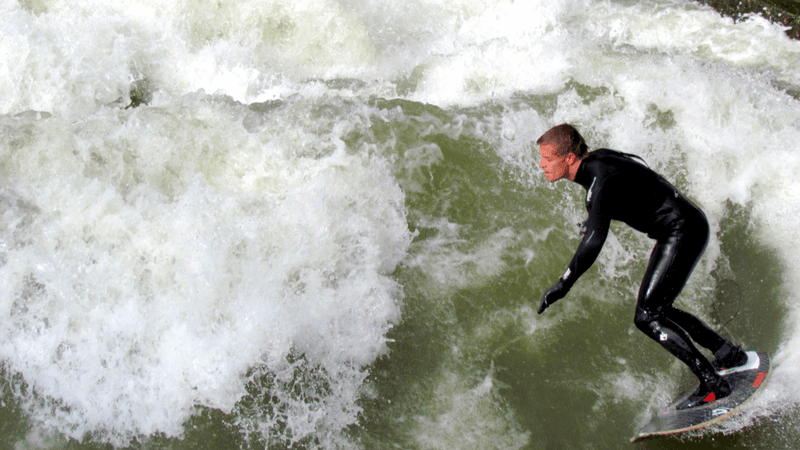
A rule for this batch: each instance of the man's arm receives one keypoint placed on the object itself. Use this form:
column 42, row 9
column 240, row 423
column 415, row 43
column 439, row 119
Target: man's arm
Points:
column 597, row 227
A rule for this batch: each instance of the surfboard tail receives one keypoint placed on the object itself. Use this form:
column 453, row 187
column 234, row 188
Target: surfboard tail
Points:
column 746, row 382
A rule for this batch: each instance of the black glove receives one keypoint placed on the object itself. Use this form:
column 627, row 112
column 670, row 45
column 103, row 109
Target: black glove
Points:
column 555, row 293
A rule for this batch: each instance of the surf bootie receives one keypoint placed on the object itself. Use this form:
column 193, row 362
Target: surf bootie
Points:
column 707, row 392
column 728, row 357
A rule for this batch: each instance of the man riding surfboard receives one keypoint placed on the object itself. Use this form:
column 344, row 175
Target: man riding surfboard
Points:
column 618, row 187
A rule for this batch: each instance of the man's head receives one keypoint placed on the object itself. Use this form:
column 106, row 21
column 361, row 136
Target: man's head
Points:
column 566, row 139
column 561, row 149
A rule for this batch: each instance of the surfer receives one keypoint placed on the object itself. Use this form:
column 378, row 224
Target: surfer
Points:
column 618, row 187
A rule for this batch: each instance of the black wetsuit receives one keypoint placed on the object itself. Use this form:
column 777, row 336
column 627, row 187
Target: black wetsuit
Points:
column 618, row 187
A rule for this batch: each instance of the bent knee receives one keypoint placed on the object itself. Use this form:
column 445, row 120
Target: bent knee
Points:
column 646, row 320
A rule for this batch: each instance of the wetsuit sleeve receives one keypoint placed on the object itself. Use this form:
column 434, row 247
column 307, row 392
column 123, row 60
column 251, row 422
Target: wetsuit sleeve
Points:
column 597, row 227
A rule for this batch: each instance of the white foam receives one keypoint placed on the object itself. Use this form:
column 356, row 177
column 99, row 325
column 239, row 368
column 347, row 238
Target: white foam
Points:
column 152, row 279
column 469, row 417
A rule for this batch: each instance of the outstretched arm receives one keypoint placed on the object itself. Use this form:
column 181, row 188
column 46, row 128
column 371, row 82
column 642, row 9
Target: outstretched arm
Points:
column 593, row 239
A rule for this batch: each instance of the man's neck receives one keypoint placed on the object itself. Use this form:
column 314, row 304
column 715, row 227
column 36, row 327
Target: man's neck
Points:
column 572, row 169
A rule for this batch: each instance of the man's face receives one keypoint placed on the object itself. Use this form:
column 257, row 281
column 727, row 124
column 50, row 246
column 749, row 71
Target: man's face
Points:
column 554, row 166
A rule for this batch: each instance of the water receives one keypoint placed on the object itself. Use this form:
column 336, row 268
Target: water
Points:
column 321, row 224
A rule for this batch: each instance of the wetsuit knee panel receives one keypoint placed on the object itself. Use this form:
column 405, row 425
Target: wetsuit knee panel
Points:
column 645, row 320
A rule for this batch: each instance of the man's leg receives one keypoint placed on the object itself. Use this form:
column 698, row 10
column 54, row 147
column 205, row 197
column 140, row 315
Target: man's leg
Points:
column 696, row 328
column 671, row 263
column 675, row 340
column 726, row 354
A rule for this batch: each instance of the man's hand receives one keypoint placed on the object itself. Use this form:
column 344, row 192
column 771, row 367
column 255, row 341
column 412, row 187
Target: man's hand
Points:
column 555, row 293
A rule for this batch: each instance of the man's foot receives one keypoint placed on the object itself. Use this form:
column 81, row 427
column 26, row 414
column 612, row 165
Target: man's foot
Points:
column 707, row 393
column 728, row 357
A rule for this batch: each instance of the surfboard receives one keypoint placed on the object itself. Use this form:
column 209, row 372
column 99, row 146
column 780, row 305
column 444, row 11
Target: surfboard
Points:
column 746, row 381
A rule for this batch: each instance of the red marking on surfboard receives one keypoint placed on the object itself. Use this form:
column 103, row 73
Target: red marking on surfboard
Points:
column 759, row 379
